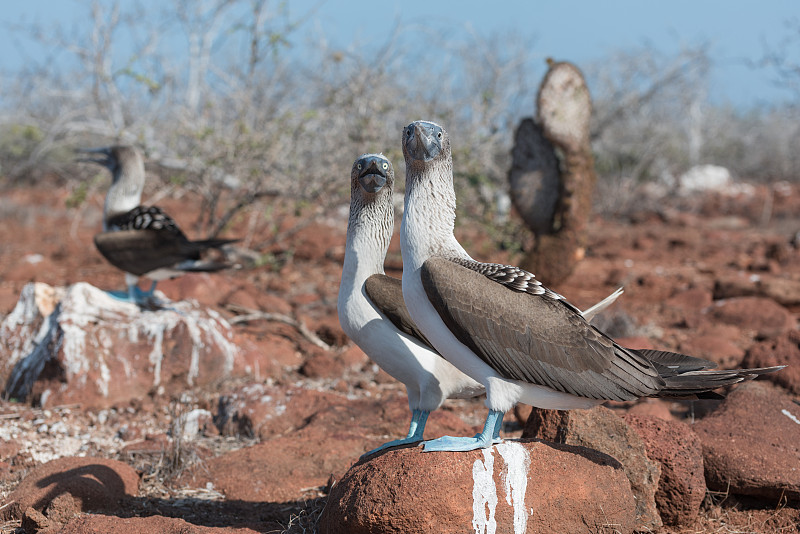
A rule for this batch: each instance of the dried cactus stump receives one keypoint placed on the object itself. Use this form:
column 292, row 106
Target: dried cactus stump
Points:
column 552, row 176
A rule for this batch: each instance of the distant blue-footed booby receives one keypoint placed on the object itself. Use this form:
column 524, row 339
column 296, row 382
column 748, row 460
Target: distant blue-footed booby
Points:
column 502, row 327
column 371, row 308
column 142, row 240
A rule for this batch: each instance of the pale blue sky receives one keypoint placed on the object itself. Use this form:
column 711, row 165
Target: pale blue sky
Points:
column 576, row 30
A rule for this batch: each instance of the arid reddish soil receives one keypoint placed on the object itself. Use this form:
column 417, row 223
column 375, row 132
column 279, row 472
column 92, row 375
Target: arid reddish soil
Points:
column 681, row 264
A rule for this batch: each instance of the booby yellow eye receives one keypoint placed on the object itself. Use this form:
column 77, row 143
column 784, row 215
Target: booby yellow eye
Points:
column 439, row 135
column 358, row 167
column 385, row 166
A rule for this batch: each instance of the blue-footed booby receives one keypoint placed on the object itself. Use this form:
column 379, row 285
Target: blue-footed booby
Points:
column 371, row 308
column 142, row 240
column 502, row 327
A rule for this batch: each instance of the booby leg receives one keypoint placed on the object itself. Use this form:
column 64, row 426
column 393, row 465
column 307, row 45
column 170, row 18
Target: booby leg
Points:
column 489, row 435
column 415, row 431
column 135, row 295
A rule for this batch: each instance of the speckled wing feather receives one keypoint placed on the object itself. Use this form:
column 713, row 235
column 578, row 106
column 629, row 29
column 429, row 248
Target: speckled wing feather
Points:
column 145, row 218
column 525, row 332
column 510, row 276
column 386, row 293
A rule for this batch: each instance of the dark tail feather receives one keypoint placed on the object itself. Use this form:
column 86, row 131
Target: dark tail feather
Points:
column 673, row 364
column 205, row 244
column 701, row 383
column 202, row 266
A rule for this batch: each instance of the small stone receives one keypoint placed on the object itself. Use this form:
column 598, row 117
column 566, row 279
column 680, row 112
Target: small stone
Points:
column 784, row 350
column 92, row 484
column 765, row 317
column 33, row 521
column 682, row 486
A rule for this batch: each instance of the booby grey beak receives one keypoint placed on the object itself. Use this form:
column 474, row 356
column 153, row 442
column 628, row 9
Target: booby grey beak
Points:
column 372, row 175
column 101, row 156
column 423, row 140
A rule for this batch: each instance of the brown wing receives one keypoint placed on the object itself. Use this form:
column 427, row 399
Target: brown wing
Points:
column 142, row 251
column 387, row 294
column 534, row 338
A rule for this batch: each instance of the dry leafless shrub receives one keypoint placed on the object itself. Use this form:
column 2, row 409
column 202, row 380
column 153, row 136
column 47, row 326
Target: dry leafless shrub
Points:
column 225, row 106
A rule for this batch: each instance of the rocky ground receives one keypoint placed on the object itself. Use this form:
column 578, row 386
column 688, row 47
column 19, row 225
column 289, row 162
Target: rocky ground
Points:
column 258, row 444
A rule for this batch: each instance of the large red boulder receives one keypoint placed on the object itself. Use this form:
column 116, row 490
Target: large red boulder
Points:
column 751, row 443
column 603, row 430
column 508, row 488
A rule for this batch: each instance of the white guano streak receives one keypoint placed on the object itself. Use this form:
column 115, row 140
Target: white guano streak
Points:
column 515, row 482
column 790, row 415
column 515, row 479
column 484, row 494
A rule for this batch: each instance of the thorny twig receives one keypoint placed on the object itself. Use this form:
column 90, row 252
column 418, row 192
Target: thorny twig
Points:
column 255, row 315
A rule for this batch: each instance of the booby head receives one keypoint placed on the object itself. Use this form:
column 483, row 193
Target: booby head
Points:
column 425, row 141
column 370, row 174
column 126, row 165
column 101, row 156
column 115, row 158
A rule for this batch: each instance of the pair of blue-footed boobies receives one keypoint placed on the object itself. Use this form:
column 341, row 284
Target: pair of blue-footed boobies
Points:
column 371, row 308
column 142, row 240
column 495, row 324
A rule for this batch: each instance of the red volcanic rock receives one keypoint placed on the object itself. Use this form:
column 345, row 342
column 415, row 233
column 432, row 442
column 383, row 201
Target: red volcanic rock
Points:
column 243, row 298
column 264, row 411
column 784, row 350
column 782, row 290
column 511, row 487
column 751, row 444
column 315, row 241
column 322, row 364
column 602, row 430
column 681, row 487
column 281, row 469
column 765, row 317
column 8, row 449
column 61, row 488
column 354, row 357
column 330, row 331
column 79, row 345
column 652, row 408
column 686, row 307
column 207, row 289
column 92, row 524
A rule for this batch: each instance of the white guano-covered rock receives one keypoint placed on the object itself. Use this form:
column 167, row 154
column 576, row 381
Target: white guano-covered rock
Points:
column 79, row 345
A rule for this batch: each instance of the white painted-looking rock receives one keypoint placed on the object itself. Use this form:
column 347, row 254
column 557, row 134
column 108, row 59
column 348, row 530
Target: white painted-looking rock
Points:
column 511, row 488
column 79, row 345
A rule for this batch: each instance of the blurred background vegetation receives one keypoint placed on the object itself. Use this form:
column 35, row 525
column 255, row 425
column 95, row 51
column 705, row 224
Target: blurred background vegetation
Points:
column 242, row 116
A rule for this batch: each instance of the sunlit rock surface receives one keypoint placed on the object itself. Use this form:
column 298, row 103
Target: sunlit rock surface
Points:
column 79, row 345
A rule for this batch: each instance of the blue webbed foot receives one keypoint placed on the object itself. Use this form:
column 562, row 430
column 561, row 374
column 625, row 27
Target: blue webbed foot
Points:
column 393, row 443
column 123, row 296
column 490, row 435
column 134, row 295
column 415, row 431
column 456, row 444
